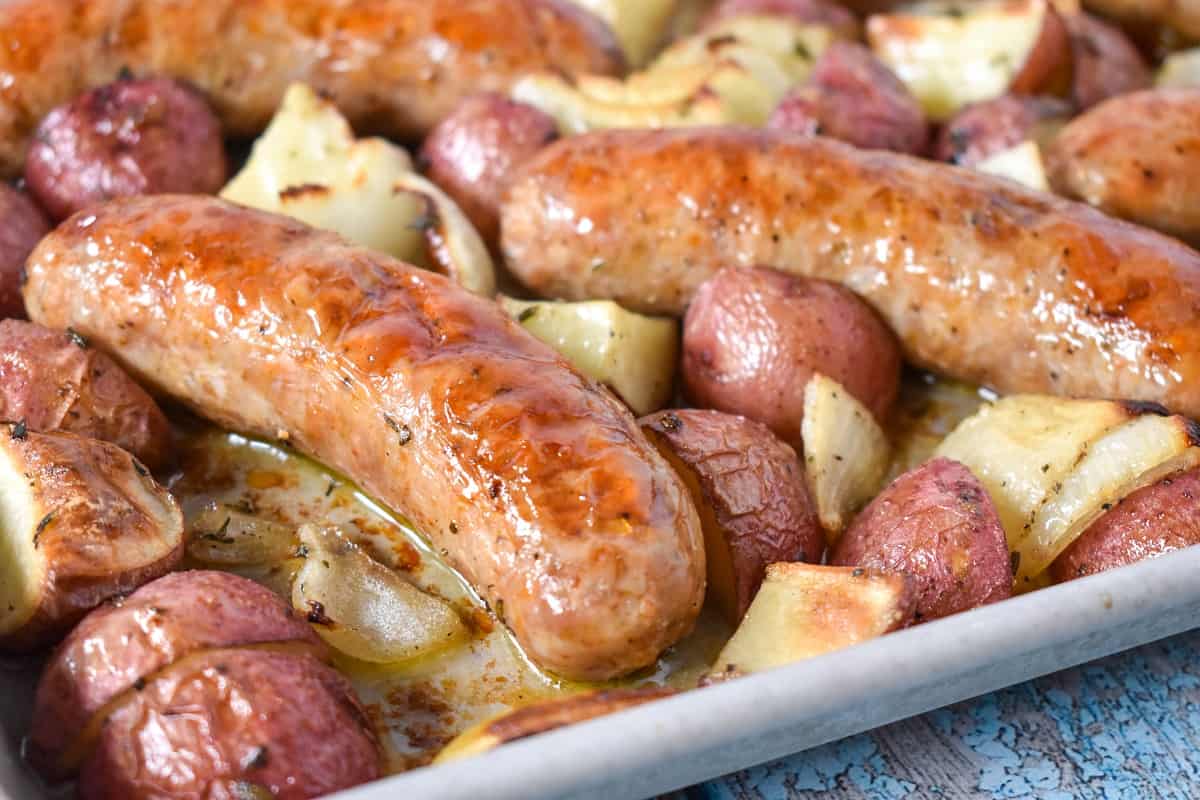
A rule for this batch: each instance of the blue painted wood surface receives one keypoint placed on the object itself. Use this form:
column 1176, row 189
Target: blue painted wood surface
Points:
column 1124, row 727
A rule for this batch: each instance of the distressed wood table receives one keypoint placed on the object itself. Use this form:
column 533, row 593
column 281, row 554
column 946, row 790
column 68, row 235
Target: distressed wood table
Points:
column 1127, row 726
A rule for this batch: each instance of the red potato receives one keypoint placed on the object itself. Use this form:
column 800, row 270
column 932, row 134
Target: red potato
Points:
column 120, row 645
column 1155, row 519
column 852, row 96
column 22, row 226
column 473, row 153
column 1136, row 157
column 1107, row 63
column 813, row 12
column 753, row 337
column 234, row 724
column 984, row 129
column 127, row 138
column 749, row 489
column 55, row 381
column 937, row 525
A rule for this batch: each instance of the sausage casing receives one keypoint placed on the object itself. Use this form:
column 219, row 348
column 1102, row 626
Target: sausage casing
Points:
column 532, row 480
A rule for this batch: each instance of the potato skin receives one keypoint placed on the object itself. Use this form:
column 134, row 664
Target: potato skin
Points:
column 937, row 524
column 1107, row 63
column 1155, row 519
column 58, row 381
column 851, row 95
column 227, row 718
column 754, row 484
column 126, row 138
column 983, row 129
column 813, row 12
column 473, row 153
column 129, row 639
column 753, row 337
column 22, row 226
column 1136, row 157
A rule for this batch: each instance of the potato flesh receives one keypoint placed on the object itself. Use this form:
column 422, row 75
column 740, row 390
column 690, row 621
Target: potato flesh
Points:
column 845, row 452
column 736, row 72
column 640, row 25
column 22, row 567
column 1022, row 163
column 633, row 354
column 1021, row 446
column 950, row 59
column 806, row 610
column 365, row 610
column 1180, row 70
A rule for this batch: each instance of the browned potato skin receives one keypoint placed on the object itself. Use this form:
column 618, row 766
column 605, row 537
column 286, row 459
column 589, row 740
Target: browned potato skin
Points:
column 851, row 95
column 1136, row 157
column 98, row 540
column 473, row 153
column 981, row 130
column 808, row 12
column 937, row 525
column 125, row 138
column 1155, row 519
column 669, row 209
column 284, row 723
column 57, row 381
column 1107, row 63
column 395, row 67
column 122, row 644
column 752, row 485
column 1183, row 15
column 22, row 225
column 753, row 337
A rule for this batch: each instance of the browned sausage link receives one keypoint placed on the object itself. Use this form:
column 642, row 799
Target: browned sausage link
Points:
column 1137, row 157
column 392, row 66
column 533, row 480
column 980, row 279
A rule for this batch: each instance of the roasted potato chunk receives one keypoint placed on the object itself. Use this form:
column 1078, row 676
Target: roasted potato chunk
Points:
column 121, row 645
column 632, row 354
column 806, row 610
column 749, row 489
column 752, row 339
column 986, row 129
column 55, row 381
column 937, row 525
column 640, row 25
column 1155, row 519
column 82, row 522
column 22, row 226
column 808, row 12
column 1107, row 63
column 951, row 56
column 546, row 716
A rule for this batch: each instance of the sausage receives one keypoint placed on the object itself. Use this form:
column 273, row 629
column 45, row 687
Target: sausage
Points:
column 1136, row 157
column 981, row 130
column 130, row 137
column 532, row 480
column 980, row 279
column 392, row 66
column 22, row 225
column 851, row 95
column 1107, row 63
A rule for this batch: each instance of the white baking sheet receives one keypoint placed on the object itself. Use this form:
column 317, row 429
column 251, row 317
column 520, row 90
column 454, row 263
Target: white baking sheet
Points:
column 708, row 732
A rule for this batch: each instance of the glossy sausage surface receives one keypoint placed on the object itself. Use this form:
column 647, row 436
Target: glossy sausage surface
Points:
column 981, row 279
column 532, row 480
column 392, row 66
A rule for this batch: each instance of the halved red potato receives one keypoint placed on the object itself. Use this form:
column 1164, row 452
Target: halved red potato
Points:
column 1107, row 63
column 983, row 130
column 749, row 489
column 56, row 381
column 547, row 715
column 1155, row 519
column 82, row 521
column 118, row 647
column 22, row 226
column 806, row 610
column 753, row 337
column 937, row 525
column 950, row 55
column 234, row 724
